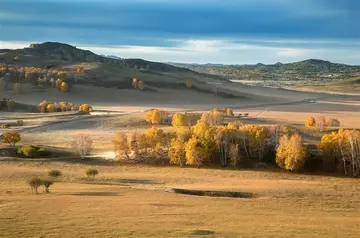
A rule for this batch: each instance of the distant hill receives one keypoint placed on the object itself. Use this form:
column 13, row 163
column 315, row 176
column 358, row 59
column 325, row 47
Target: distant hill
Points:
column 46, row 59
column 312, row 69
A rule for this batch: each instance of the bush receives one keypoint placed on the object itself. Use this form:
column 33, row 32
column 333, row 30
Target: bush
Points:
column 47, row 183
column 54, row 173
column 20, row 123
column 35, row 183
column 5, row 126
column 91, row 173
column 33, row 151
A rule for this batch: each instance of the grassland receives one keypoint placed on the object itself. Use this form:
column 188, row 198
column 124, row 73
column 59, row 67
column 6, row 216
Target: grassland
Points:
column 132, row 201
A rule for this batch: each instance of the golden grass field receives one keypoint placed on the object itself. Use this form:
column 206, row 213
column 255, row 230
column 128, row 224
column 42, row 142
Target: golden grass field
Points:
column 132, row 201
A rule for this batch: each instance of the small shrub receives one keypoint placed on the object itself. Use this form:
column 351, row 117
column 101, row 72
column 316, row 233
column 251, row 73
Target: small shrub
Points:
column 29, row 151
column 245, row 114
column 54, row 173
column 33, row 151
column 20, row 123
column 35, row 183
column 47, row 183
column 91, row 173
column 5, row 126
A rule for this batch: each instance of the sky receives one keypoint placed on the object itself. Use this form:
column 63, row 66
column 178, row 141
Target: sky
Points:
column 191, row 31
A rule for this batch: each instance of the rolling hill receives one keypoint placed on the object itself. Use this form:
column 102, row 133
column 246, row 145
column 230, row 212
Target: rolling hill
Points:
column 312, row 69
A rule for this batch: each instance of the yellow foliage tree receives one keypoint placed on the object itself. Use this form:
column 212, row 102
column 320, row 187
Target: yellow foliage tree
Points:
column 155, row 116
column 229, row 112
column 310, row 122
column 189, row 83
column 64, row 87
column 291, row 153
column 177, row 152
column 134, row 83
column 51, row 107
column 58, row 83
column 121, row 145
column 85, row 108
column 141, row 85
column 180, row 119
column 11, row 138
column 193, row 152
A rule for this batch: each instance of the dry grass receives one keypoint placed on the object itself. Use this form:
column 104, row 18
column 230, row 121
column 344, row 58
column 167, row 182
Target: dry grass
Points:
column 131, row 201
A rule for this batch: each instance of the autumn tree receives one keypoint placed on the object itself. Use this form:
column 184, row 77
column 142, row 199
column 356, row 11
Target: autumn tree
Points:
column 291, row 153
column 50, row 107
column 189, row 83
column 85, row 108
column 82, row 144
column 155, row 116
column 310, row 122
column 134, row 83
column 58, row 83
column 331, row 122
column 176, row 152
column 11, row 138
column 141, row 85
column 64, row 87
column 229, row 112
column 180, row 119
column 320, row 123
column 80, row 69
column 193, row 153
column 121, row 145
column 234, row 155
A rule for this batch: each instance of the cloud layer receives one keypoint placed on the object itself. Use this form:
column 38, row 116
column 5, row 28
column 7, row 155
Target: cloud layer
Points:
column 218, row 31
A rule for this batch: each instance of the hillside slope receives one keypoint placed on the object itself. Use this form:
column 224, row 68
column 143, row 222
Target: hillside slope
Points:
column 312, row 69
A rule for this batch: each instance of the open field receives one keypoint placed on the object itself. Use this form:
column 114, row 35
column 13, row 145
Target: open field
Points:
column 131, row 201
column 134, row 200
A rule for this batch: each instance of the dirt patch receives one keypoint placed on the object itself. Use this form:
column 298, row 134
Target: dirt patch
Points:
column 202, row 232
column 212, row 193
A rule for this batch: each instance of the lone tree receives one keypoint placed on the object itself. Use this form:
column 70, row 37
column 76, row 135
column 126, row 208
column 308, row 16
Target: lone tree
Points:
column 64, row 87
column 91, row 173
column 310, row 122
column 11, row 138
column 189, row 83
column 82, row 144
column 47, row 183
column 35, row 183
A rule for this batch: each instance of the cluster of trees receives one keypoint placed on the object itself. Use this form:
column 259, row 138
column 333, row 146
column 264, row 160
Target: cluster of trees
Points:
column 156, row 116
column 321, row 122
column 138, row 84
column 341, row 151
column 201, row 143
column 35, row 76
column 46, row 106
